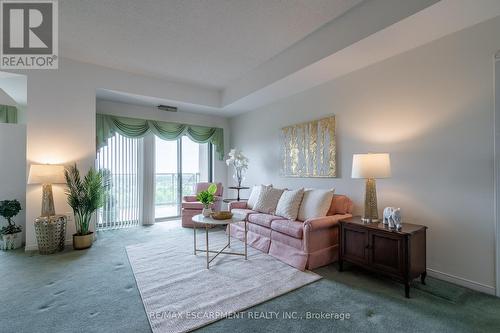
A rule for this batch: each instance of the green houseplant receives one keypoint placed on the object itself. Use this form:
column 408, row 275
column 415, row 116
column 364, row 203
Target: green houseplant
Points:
column 207, row 198
column 85, row 196
column 11, row 234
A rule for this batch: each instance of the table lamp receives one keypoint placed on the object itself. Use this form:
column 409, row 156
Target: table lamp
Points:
column 47, row 174
column 370, row 167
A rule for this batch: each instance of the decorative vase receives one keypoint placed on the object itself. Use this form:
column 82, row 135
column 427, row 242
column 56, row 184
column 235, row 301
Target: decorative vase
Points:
column 12, row 241
column 207, row 211
column 239, row 176
column 82, row 242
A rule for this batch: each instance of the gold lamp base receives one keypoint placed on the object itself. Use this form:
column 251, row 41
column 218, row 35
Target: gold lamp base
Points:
column 47, row 201
column 371, row 212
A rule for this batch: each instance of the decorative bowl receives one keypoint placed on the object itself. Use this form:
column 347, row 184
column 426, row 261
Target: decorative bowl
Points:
column 222, row 215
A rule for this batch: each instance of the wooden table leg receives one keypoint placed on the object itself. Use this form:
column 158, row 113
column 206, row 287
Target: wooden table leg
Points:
column 422, row 277
column 407, row 289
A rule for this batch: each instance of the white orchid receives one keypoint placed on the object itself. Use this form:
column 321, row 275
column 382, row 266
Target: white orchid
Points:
column 239, row 162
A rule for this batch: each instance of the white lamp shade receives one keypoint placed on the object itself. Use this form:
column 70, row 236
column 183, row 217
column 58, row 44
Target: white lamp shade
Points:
column 46, row 174
column 371, row 165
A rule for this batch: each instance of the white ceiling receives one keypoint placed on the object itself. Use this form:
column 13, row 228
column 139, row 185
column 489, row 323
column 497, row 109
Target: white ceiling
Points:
column 205, row 42
column 248, row 53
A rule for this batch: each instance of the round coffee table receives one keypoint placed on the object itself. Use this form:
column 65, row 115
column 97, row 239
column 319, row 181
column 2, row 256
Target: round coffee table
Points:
column 207, row 221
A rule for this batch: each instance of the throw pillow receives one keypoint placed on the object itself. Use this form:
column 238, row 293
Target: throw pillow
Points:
column 315, row 203
column 268, row 200
column 254, row 195
column 289, row 203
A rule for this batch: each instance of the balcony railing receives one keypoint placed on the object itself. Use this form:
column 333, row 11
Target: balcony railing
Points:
column 167, row 187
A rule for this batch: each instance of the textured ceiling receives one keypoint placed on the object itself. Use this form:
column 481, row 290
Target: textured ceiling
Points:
column 207, row 42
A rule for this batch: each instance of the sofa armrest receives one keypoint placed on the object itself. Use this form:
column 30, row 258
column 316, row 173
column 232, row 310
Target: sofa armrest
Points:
column 322, row 232
column 237, row 205
column 189, row 198
column 319, row 223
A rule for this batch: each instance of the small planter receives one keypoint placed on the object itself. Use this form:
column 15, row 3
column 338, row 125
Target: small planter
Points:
column 82, row 242
column 12, row 241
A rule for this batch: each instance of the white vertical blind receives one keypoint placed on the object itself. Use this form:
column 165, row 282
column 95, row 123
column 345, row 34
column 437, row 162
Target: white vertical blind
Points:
column 121, row 157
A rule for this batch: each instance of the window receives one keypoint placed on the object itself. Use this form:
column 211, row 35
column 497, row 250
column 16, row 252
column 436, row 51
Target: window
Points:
column 121, row 159
column 178, row 166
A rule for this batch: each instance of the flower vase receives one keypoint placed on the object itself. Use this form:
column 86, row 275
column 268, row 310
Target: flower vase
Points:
column 207, row 211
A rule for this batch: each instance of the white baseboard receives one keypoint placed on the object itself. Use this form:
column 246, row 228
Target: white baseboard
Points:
column 461, row 281
column 34, row 247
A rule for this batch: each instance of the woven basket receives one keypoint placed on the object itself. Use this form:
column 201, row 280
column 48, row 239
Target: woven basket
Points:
column 50, row 233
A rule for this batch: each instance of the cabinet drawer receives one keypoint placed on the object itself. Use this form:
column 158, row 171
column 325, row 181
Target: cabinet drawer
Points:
column 387, row 252
column 354, row 244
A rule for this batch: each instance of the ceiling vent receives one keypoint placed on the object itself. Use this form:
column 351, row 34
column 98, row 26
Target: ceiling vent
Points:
column 167, row 108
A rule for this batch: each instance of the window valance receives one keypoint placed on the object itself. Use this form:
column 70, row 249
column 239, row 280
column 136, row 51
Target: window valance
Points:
column 107, row 126
column 8, row 114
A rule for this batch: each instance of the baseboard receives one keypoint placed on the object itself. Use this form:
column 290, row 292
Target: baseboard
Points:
column 34, row 247
column 461, row 281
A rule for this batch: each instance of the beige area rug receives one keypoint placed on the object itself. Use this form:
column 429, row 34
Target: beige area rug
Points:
column 180, row 294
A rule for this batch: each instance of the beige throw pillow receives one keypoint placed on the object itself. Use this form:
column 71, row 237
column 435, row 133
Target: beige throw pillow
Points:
column 254, row 195
column 315, row 203
column 267, row 200
column 289, row 203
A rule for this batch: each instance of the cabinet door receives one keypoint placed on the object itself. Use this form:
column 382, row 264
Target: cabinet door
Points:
column 387, row 252
column 354, row 244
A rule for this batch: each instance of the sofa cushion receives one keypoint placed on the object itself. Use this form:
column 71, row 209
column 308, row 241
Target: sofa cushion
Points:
column 192, row 205
column 263, row 219
column 291, row 228
column 289, row 203
column 254, row 195
column 316, row 203
column 243, row 212
column 268, row 199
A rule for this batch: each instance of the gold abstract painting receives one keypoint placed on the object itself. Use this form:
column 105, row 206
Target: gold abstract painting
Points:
column 308, row 149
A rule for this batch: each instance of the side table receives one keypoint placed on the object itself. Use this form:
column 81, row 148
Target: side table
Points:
column 50, row 233
column 399, row 254
column 237, row 188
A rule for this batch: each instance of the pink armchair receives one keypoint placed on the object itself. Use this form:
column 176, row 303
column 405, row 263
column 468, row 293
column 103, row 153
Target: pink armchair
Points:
column 191, row 207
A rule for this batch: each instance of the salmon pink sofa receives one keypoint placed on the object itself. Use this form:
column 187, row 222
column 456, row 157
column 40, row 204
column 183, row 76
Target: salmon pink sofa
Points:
column 302, row 244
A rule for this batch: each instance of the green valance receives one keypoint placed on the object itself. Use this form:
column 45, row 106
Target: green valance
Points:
column 8, row 114
column 107, row 126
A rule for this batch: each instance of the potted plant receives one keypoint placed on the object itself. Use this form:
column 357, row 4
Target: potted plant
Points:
column 207, row 198
column 11, row 234
column 85, row 196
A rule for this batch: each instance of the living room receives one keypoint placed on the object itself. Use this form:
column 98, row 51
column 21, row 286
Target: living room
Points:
column 294, row 110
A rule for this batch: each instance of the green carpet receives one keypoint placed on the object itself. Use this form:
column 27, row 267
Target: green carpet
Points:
column 95, row 291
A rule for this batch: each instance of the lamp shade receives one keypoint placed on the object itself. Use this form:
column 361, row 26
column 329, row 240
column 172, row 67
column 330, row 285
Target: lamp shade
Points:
column 46, row 174
column 371, row 166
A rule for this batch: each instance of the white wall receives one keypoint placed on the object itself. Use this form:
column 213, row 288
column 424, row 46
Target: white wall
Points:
column 432, row 109
column 61, row 119
column 135, row 111
column 13, row 168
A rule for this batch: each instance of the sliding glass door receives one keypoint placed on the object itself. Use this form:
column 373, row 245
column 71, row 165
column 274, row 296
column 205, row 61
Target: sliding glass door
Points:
column 143, row 189
column 167, row 168
column 179, row 165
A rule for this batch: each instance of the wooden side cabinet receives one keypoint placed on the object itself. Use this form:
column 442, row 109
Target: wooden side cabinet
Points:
column 373, row 246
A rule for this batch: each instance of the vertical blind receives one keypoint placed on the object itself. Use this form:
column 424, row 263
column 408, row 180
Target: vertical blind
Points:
column 121, row 158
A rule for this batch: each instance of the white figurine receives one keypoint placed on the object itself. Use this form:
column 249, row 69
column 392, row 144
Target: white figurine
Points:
column 387, row 214
column 392, row 217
